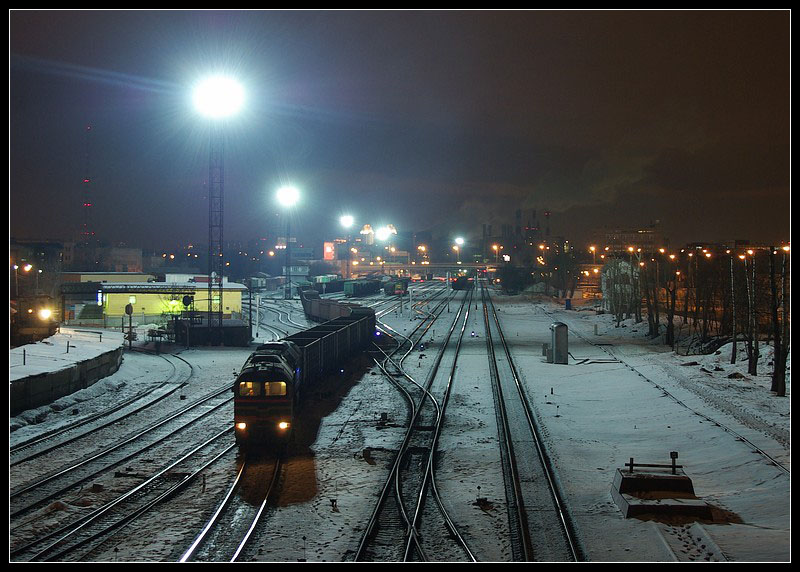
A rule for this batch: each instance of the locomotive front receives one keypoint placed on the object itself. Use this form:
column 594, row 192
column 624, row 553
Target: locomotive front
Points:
column 264, row 395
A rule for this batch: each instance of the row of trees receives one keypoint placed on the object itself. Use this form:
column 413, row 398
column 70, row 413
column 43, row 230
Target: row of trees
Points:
column 707, row 299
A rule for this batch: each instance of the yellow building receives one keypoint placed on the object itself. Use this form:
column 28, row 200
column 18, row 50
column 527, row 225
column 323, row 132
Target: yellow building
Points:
column 157, row 300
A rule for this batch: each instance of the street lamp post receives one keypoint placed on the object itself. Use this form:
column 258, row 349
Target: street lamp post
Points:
column 457, row 247
column 16, row 281
column 347, row 222
column 288, row 196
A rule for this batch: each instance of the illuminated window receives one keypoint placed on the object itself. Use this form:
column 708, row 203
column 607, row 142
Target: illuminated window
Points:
column 275, row 388
column 249, row 389
column 132, row 299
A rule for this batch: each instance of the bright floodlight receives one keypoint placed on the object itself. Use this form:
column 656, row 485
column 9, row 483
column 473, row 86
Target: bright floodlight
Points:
column 218, row 97
column 288, row 196
column 346, row 221
column 459, row 241
column 383, row 233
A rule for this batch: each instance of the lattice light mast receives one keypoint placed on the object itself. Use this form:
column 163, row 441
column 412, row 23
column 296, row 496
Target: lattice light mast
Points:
column 216, row 98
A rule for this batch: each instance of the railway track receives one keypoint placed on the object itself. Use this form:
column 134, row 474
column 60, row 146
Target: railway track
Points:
column 89, row 425
column 79, row 539
column 36, row 492
column 393, row 530
column 229, row 529
column 540, row 525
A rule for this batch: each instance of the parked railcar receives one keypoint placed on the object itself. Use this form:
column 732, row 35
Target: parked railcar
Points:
column 329, row 287
column 358, row 288
column 319, row 309
column 269, row 390
column 396, row 287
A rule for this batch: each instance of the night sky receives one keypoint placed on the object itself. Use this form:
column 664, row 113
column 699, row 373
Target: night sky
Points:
column 426, row 120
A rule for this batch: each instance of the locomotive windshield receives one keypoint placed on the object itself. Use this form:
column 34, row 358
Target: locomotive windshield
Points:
column 249, row 389
column 258, row 388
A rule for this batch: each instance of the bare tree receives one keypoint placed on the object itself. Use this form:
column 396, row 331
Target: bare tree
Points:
column 780, row 330
column 733, row 311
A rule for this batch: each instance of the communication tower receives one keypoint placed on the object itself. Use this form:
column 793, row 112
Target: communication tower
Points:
column 87, row 234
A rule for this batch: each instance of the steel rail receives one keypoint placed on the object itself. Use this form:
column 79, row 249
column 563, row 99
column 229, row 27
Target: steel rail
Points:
column 566, row 520
column 429, row 473
column 394, row 475
column 511, row 460
column 373, row 520
column 76, row 527
column 61, row 472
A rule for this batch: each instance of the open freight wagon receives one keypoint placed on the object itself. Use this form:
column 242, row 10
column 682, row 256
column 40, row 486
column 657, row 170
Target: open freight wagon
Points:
column 327, row 346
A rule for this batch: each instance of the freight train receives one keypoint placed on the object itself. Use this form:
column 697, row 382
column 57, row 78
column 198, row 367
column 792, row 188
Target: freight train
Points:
column 463, row 283
column 32, row 318
column 270, row 388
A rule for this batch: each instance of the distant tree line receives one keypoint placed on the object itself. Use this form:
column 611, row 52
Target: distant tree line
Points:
column 707, row 299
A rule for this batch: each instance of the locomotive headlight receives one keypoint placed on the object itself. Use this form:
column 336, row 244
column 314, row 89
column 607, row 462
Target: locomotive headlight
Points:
column 241, row 426
column 45, row 313
column 283, row 425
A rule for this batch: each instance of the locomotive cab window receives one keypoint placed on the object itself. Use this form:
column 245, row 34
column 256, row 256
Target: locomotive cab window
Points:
column 275, row 388
column 249, row 389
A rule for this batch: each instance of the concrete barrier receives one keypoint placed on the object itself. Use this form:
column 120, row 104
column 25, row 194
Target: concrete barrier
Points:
column 43, row 388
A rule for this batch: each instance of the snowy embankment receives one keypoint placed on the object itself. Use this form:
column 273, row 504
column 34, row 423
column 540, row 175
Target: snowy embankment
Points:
column 624, row 396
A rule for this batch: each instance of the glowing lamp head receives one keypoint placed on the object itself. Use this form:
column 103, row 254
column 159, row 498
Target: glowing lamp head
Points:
column 283, row 425
column 241, row 426
column 288, row 196
column 346, row 221
column 218, row 97
column 460, row 241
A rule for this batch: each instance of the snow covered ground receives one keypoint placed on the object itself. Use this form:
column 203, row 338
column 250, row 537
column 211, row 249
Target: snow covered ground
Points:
column 621, row 396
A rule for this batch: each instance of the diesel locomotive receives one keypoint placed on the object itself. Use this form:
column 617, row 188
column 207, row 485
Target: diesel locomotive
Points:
column 270, row 388
column 463, row 283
